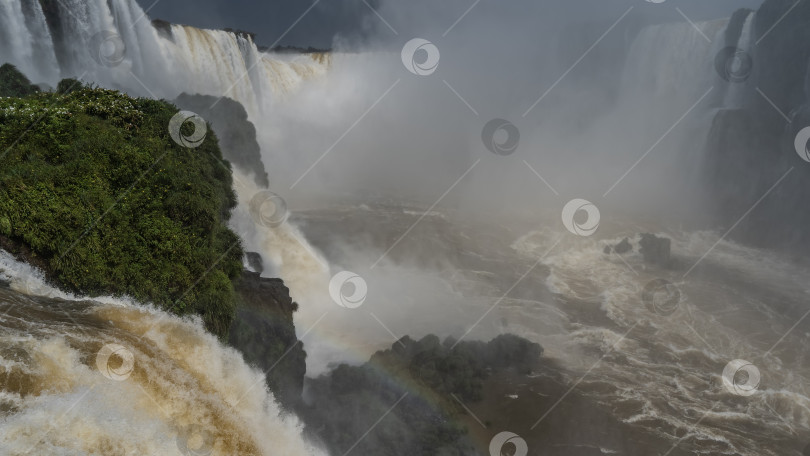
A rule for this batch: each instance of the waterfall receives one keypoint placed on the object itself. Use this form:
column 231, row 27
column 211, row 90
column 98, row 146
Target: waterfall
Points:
column 26, row 41
column 672, row 61
column 112, row 377
column 114, row 44
column 736, row 91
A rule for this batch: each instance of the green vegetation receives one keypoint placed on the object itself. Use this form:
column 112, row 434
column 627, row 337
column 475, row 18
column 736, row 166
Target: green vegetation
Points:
column 68, row 85
column 348, row 401
column 92, row 183
column 13, row 83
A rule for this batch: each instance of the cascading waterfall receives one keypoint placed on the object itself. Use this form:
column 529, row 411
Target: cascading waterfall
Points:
column 26, row 40
column 114, row 44
column 181, row 393
column 736, row 92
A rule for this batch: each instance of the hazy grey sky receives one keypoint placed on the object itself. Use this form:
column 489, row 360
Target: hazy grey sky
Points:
column 269, row 19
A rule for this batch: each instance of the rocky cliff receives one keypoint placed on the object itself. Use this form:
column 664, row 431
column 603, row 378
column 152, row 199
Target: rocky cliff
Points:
column 264, row 332
column 751, row 147
column 237, row 135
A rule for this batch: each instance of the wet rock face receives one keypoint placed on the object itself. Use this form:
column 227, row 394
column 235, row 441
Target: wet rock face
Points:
column 655, row 250
column 254, row 261
column 620, row 248
column 236, row 134
column 263, row 331
column 751, row 147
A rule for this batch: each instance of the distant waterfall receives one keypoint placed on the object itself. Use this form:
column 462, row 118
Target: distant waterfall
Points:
column 672, row 60
column 26, row 41
column 735, row 92
column 114, row 44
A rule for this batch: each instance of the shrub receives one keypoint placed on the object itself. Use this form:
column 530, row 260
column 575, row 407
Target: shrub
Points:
column 68, row 85
column 93, row 184
column 13, row 83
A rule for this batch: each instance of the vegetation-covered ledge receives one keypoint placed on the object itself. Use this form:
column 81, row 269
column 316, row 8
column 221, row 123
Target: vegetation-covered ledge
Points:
column 94, row 191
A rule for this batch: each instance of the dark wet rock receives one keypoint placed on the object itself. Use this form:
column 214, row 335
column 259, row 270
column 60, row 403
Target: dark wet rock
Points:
column 263, row 331
column 164, row 28
column 623, row 247
column 620, row 248
column 254, row 261
column 430, row 422
column 751, row 147
column 241, row 33
column 655, row 250
column 236, row 134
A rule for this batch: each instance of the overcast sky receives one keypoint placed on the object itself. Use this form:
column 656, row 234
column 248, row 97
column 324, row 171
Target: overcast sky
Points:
column 270, row 19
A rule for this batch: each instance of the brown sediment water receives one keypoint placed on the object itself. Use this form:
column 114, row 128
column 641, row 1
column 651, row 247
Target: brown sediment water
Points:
column 82, row 377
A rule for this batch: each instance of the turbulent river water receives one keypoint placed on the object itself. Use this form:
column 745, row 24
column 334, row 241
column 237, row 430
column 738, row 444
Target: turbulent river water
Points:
column 658, row 368
column 118, row 378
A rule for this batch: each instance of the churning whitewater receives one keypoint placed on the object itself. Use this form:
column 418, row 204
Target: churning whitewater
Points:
column 116, row 378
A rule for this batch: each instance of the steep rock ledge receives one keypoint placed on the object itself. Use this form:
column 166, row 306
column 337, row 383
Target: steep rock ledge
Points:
column 264, row 332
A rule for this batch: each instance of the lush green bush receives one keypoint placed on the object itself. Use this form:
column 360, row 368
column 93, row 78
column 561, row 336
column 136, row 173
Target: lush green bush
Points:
column 93, row 184
column 13, row 83
column 68, row 85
